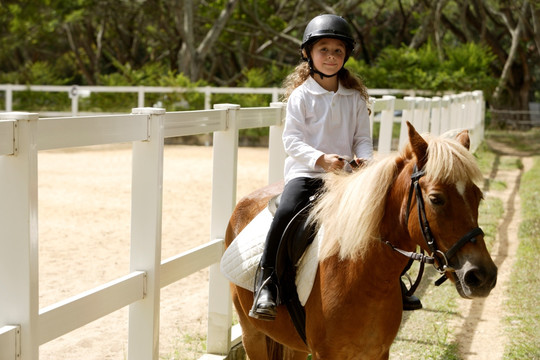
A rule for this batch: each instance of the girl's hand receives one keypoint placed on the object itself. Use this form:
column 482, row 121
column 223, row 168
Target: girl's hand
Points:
column 361, row 162
column 331, row 162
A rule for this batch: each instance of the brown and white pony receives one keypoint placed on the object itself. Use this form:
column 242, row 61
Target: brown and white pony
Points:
column 354, row 310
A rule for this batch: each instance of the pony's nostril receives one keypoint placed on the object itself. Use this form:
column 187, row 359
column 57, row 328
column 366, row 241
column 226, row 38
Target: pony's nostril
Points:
column 473, row 278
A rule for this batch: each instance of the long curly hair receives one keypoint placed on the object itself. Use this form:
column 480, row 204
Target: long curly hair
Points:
column 302, row 72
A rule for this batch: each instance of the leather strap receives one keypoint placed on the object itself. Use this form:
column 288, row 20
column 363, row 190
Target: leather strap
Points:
column 470, row 236
column 413, row 255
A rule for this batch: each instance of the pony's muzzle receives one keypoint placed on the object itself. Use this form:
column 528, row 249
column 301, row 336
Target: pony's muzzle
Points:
column 480, row 281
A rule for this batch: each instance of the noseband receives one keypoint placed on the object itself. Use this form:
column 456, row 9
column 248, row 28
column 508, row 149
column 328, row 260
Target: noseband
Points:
column 439, row 259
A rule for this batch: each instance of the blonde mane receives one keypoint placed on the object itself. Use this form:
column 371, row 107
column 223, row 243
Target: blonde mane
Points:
column 351, row 207
column 450, row 162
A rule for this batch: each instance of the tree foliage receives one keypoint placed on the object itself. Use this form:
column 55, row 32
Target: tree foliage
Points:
column 405, row 68
column 493, row 45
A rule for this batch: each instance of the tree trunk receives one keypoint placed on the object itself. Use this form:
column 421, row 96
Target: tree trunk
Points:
column 83, row 68
column 191, row 57
column 535, row 17
column 516, row 35
column 484, row 25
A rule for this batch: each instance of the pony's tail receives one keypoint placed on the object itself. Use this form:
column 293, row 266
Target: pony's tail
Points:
column 274, row 350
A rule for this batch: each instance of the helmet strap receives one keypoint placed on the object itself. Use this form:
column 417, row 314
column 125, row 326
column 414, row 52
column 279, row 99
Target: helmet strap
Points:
column 313, row 71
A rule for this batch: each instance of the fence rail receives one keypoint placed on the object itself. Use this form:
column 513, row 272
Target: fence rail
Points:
column 75, row 92
column 24, row 327
column 515, row 119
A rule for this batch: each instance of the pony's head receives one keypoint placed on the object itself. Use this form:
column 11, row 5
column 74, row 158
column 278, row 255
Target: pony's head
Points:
column 448, row 213
column 355, row 211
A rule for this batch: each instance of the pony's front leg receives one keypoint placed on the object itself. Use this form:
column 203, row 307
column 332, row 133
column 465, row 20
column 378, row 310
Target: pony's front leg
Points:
column 289, row 354
column 356, row 356
column 255, row 345
column 261, row 347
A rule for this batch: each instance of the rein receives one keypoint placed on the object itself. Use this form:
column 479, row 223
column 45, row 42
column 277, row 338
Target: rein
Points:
column 438, row 258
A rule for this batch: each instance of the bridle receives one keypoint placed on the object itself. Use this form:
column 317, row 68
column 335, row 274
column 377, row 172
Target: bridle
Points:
column 439, row 259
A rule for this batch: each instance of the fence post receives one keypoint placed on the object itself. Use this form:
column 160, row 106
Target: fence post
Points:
column 224, row 176
column 73, row 94
column 463, row 109
column 435, row 119
column 479, row 114
column 9, row 98
column 275, row 95
column 387, row 122
column 425, row 114
column 145, row 250
column 10, row 339
column 371, row 106
column 276, row 154
column 454, row 111
column 207, row 97
column 418, row 117
column 408, row 115
column 446, row 110
column 140, row 97
column 19, row 294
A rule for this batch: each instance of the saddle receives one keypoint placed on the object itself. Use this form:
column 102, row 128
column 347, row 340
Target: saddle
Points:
column 298, row 235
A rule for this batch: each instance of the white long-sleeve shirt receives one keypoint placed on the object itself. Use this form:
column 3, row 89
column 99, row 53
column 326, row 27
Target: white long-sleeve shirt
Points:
column 321, row 122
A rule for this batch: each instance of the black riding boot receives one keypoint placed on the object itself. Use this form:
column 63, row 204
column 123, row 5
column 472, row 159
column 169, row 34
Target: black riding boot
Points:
column 264, row 295
column 409, row 302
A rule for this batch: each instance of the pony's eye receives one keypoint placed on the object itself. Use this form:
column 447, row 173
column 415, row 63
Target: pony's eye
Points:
column 436, row 199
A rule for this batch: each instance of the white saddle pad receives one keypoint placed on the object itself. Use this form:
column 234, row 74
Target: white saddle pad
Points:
column 240, row 260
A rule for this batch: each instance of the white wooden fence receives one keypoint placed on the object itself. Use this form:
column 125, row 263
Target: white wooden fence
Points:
column 24, row 326
column 75, row 92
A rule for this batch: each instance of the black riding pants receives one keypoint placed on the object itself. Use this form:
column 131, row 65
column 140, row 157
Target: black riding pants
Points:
column 295, row 197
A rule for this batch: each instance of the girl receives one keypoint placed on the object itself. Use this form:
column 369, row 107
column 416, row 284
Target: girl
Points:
column 327, row 121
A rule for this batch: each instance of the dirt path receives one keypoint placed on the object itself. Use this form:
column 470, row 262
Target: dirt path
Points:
column 479, row 330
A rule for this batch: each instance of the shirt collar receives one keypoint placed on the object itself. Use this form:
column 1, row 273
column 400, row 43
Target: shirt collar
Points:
column 313, row 87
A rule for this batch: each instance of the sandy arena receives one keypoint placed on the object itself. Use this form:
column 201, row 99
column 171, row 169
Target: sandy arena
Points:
column 84, row 235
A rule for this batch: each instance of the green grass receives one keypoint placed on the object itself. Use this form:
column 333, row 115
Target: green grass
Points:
column 525, row 141
column 522, row 325
column 485, row 158
column 188, row 346
column 491, row 210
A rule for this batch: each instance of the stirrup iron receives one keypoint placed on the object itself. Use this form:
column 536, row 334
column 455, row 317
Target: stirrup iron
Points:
column 264, row 314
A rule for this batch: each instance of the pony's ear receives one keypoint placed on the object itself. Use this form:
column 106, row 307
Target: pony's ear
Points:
column 418, row 145
column 464, row 139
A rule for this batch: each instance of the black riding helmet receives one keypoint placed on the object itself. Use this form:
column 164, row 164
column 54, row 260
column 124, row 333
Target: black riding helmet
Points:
column 326, row 26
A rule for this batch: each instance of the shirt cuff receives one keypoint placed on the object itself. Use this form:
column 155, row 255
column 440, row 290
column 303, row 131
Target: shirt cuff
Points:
column 315, row 156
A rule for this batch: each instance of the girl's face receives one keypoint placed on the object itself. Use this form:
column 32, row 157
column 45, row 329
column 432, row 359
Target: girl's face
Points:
column 328, row 55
